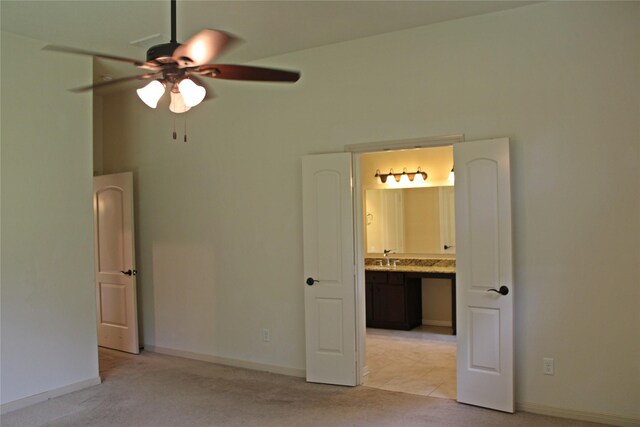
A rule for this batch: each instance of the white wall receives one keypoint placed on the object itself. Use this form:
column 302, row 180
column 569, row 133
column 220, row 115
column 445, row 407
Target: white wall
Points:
column 48, row 298
column 219, row 218
column 98, row 132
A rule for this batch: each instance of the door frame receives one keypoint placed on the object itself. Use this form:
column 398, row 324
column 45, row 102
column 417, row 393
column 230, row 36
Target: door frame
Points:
column 356, row 150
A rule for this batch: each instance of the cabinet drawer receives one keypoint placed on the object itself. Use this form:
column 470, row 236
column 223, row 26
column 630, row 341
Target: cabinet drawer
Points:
column 376, row 277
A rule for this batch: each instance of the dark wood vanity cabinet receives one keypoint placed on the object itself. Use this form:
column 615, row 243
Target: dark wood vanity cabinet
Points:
column 393, row 300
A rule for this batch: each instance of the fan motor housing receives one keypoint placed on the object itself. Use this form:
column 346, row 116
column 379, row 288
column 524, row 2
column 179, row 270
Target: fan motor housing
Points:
column 162, row 52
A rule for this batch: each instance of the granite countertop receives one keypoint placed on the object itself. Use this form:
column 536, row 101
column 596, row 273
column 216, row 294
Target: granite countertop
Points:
column 413, row 265
column 411, row 268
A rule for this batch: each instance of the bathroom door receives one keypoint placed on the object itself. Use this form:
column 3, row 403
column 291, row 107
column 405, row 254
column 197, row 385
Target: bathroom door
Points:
column 115, row 271
column 329, row 269
column 484, row 275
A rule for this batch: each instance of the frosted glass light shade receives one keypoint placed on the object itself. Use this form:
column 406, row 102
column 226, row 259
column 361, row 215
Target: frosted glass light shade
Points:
column 177, row 103
column 452, row 176
column 151, row 93
column 191, row 92
column 421, row 176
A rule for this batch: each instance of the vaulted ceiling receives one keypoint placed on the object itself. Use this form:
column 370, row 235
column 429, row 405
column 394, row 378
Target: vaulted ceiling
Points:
column 268, row 28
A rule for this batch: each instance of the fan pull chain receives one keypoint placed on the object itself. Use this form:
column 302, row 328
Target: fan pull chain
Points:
column 175, row 135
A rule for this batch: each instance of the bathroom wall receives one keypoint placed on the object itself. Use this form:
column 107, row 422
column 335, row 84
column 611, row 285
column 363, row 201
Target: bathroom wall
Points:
column 436, row 162
column 436, row 302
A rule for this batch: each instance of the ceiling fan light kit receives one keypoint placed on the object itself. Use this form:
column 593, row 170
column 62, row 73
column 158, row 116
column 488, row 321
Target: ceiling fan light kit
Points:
column 151, row 93
column 177, row 104
column 191, row 92
column 182, row 66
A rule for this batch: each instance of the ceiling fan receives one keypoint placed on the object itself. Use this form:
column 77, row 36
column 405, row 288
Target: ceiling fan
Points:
column 181, row 66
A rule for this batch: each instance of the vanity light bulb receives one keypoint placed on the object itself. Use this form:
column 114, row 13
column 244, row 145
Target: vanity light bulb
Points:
column 452, row 177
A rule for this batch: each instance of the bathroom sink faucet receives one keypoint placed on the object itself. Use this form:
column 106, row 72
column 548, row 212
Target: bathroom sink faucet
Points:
column 386, row 253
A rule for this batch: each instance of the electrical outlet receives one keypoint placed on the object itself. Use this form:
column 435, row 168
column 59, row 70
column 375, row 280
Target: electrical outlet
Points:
column 266, row 335
column 547, row 364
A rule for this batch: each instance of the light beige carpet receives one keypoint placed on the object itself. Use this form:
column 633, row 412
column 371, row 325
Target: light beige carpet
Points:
column 157, row 390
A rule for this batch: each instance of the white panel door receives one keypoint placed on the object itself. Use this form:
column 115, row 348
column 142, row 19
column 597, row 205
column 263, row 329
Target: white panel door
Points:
column 329, row 280
column 115, row 271
column 484, row 276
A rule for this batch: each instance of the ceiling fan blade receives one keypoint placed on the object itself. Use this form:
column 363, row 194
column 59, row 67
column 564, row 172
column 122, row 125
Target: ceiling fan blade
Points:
column 115, row 81
column 202, row 48
column 246, row 72
column 66, row 49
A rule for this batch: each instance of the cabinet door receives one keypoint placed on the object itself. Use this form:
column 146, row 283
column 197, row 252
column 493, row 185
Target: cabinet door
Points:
column 371, row 279
column 389, row 304
column 395, row 278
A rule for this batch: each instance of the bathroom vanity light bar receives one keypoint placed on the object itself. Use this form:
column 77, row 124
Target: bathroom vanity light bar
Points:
column 419, row 174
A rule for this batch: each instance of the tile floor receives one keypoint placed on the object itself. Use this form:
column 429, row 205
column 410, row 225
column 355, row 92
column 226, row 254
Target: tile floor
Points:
column 421, row 361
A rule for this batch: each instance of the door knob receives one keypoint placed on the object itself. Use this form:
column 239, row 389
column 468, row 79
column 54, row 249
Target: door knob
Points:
column 129, row 272
column 311, row 281
column 502, row 291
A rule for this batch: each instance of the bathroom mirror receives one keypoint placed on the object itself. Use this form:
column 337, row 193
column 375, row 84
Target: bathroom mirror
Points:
column 419, row 221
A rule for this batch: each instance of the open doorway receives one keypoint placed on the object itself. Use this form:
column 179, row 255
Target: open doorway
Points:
column 408, row 242
column 421, row 361
column 335, row 279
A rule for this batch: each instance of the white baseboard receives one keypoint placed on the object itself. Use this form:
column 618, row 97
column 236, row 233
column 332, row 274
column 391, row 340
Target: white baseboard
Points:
column 428, row 322
column 577, row 415
column 292, row 372
column 46, row 395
